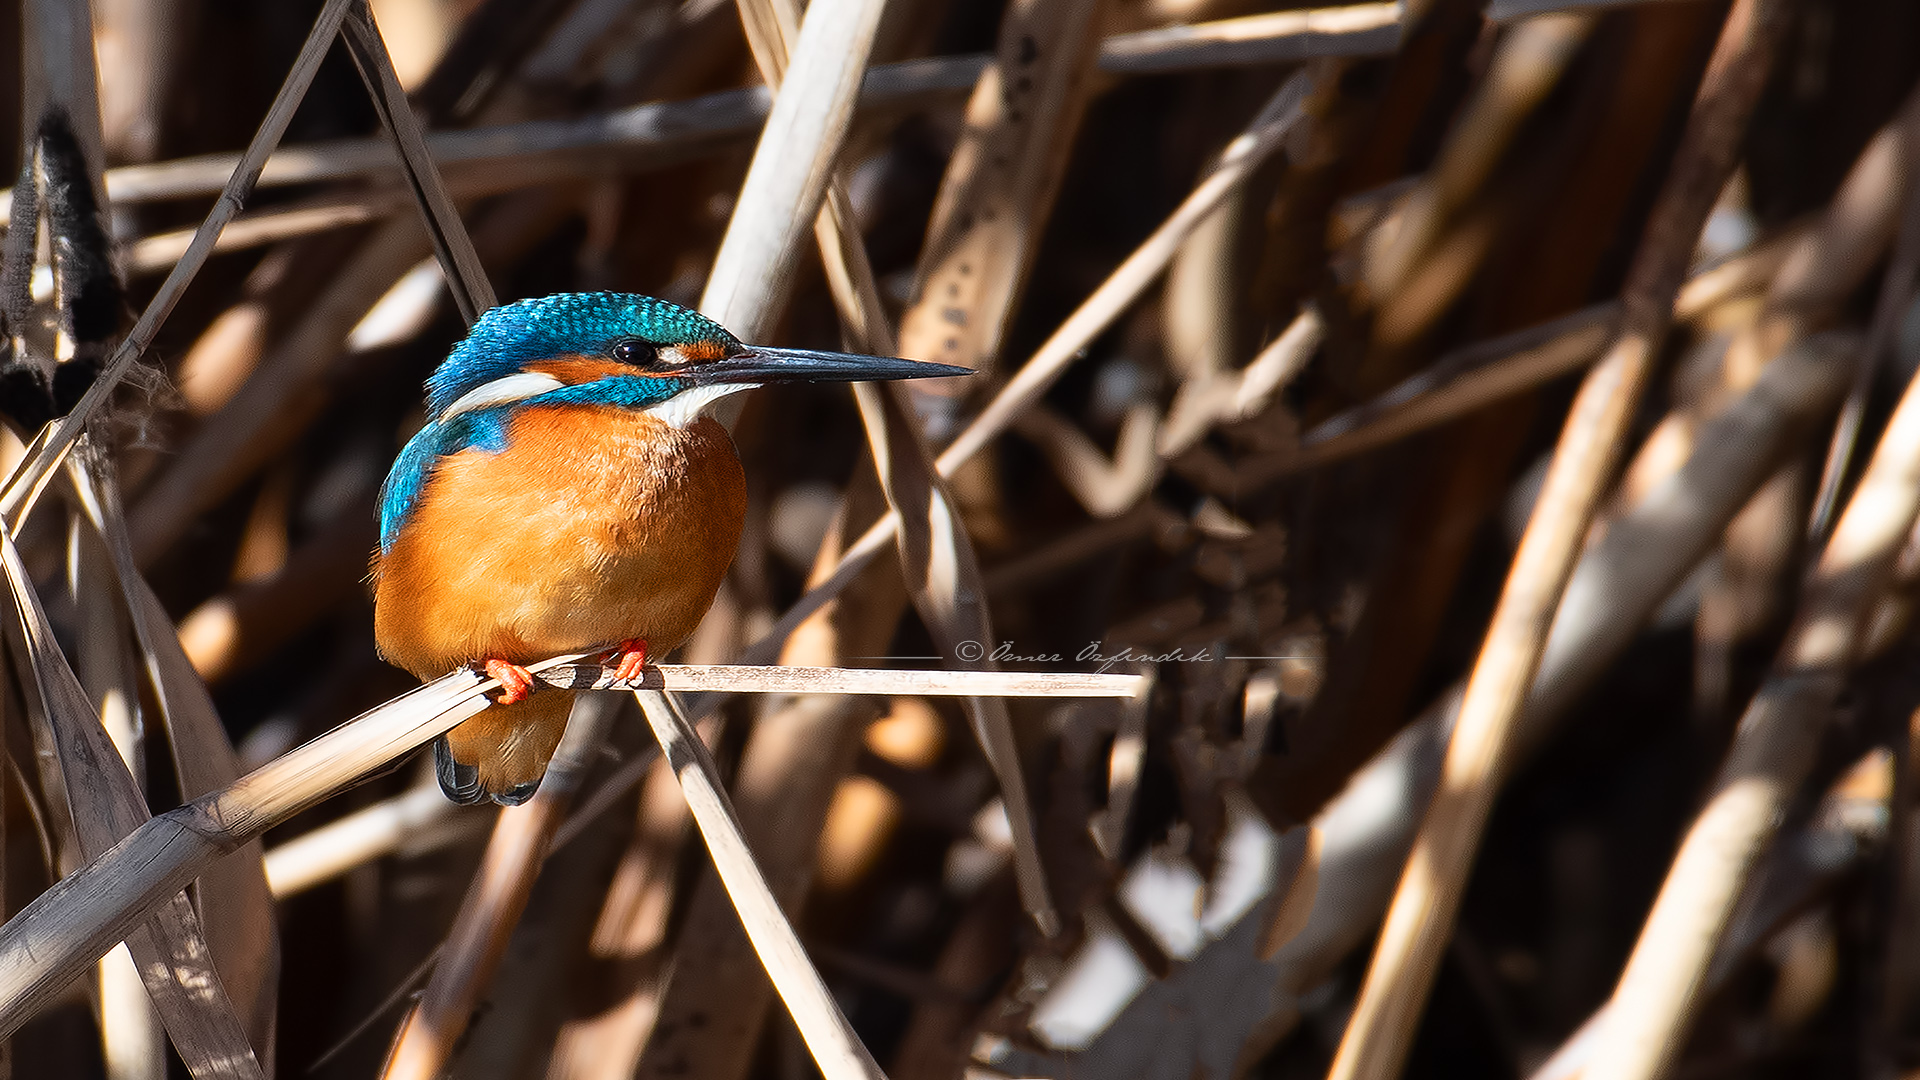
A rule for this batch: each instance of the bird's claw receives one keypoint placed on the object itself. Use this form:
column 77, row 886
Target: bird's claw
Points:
column 629, row 660
column 516, row 682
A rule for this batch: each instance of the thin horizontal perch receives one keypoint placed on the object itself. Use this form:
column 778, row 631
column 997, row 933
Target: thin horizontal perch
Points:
column 55, row 938
column 761, row 679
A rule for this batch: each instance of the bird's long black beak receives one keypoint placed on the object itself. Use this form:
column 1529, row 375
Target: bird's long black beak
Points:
column 764, row 365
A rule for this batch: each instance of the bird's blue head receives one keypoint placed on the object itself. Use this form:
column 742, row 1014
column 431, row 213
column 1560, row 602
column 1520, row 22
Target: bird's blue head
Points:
column 627, row 350
column 615, row 328
column 609, row 349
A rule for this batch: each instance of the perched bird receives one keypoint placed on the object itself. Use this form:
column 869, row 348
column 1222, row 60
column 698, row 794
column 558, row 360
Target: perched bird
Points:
column 568, row 493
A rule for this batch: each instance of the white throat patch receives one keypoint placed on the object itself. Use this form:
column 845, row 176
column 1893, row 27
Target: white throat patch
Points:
column 516, row 387
column 687, row 406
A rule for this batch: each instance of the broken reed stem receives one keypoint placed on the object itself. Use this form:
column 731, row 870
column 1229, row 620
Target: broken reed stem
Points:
column 835, row 1047
column 34, row 471
column 74, row 923
column 1420, row 920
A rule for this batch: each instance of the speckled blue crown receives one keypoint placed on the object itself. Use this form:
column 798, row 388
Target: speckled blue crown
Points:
column 506, row 338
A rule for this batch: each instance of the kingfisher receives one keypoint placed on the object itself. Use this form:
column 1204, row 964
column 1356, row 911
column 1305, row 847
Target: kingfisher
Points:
column 570, row 492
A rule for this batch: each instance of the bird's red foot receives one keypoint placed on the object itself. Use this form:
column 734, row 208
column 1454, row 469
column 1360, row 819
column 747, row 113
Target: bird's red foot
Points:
column 629, row 659
column 516, row 682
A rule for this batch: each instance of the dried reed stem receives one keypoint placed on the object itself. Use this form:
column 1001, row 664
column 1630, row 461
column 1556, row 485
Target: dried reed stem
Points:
column 1501, row 11
column 660, row 133
column 1140, row 270
column 1643, row 556
column 522, row 837
column 996, row 195
column 995, row 199
column 60, row 77
column 170, row 952
column 1124, row 762
column 64, row 929
column 1749, row 273
column 1216, row 396
column 271, row 407
column 788, row 177
column 1530, row 61
column 1092, row 317
column 466, row 278
column 159, row 251
column 31, row 476
column 1773, row 748
column 235, row 904
column 1458, row 383
column 836, row 1049
column 73, row 923
column 1420, row 920
column 1774, row 745
column 1846, row 827
column 1355, row 30
column 1896, row 292
column 362, row 836
column 752, row 679
column 943, row 577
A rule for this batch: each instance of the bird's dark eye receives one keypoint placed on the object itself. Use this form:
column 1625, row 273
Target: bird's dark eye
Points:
column 637, row 353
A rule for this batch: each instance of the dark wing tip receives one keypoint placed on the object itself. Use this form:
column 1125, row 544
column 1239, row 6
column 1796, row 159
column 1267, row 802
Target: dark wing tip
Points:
column 517, row 794
column 459, row 782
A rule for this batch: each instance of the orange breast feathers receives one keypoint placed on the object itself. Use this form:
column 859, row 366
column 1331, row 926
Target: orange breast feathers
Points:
column 593, row 526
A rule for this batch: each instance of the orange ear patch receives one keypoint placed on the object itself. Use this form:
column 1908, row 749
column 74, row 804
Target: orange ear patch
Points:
column 574, row 370
column 695, row 352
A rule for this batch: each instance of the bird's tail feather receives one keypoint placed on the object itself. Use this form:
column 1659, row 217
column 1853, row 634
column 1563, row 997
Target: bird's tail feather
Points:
column 503, row 752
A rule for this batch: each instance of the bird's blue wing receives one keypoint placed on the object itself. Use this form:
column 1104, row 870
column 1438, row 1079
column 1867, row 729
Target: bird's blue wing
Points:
column 400, row 495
